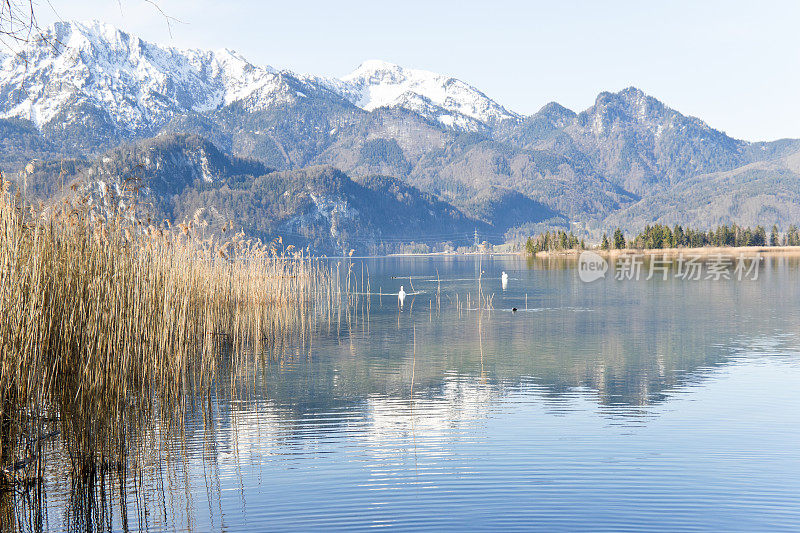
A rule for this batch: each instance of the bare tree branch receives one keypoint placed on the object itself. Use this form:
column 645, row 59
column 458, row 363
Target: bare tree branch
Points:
column 18, row 20
column 167, row 17
column 19, row 24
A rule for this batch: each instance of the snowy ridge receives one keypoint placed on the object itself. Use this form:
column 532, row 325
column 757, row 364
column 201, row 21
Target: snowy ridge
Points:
column 452, row 102
column 141, row 86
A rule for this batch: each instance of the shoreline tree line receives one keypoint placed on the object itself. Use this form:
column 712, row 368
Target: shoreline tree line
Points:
column 660, row 236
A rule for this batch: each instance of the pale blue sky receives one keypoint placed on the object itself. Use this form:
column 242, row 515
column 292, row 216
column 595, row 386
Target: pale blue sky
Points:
column 734, row 64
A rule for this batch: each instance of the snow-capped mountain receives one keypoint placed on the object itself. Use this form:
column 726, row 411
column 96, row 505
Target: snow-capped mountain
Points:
column 139, row 86
column 450, row 101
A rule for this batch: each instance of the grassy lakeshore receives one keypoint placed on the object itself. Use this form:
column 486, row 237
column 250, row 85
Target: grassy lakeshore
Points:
column 695, row 251
column 452, row 254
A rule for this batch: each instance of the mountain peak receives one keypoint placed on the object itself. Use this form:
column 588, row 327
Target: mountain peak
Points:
column 634, row 107
column 375, row 68
column 627, row 96
column 632, row 91
column 630, row 105
column 450, row 101
column 556, row 112
column 79, row 34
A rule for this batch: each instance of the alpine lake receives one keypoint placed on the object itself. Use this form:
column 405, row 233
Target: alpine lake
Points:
column 546, row 403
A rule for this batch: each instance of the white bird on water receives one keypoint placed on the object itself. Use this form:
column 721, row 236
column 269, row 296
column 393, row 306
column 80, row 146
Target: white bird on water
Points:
column 504, row 279
column 401, row 296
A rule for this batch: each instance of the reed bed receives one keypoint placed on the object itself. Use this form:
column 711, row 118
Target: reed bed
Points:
column 107, row 320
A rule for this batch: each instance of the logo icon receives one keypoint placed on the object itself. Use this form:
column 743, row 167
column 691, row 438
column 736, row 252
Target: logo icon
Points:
column 591, row 267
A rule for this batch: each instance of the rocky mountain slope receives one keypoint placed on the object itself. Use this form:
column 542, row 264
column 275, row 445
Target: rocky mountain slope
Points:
column 185, row 177
column 765, row 193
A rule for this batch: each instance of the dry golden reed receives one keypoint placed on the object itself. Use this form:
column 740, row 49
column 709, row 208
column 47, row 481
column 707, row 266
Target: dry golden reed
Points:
column 103, row 316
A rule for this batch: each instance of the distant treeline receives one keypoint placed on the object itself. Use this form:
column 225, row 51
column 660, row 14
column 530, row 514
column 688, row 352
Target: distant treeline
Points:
column 660, row 236
column 555, row 241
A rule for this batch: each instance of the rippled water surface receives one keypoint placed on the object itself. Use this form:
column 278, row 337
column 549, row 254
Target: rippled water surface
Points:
column 616, row 405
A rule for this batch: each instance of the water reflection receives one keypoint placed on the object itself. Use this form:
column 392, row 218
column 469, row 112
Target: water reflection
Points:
column 385, row 413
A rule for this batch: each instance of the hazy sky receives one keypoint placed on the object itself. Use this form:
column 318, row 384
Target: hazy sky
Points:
column 732, row 63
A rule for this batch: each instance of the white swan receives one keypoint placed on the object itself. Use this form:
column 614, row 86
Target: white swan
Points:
column 401, row 296
column 504, row 280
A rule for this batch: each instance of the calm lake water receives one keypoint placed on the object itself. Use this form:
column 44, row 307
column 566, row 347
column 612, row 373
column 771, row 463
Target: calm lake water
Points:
column 660, row 405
